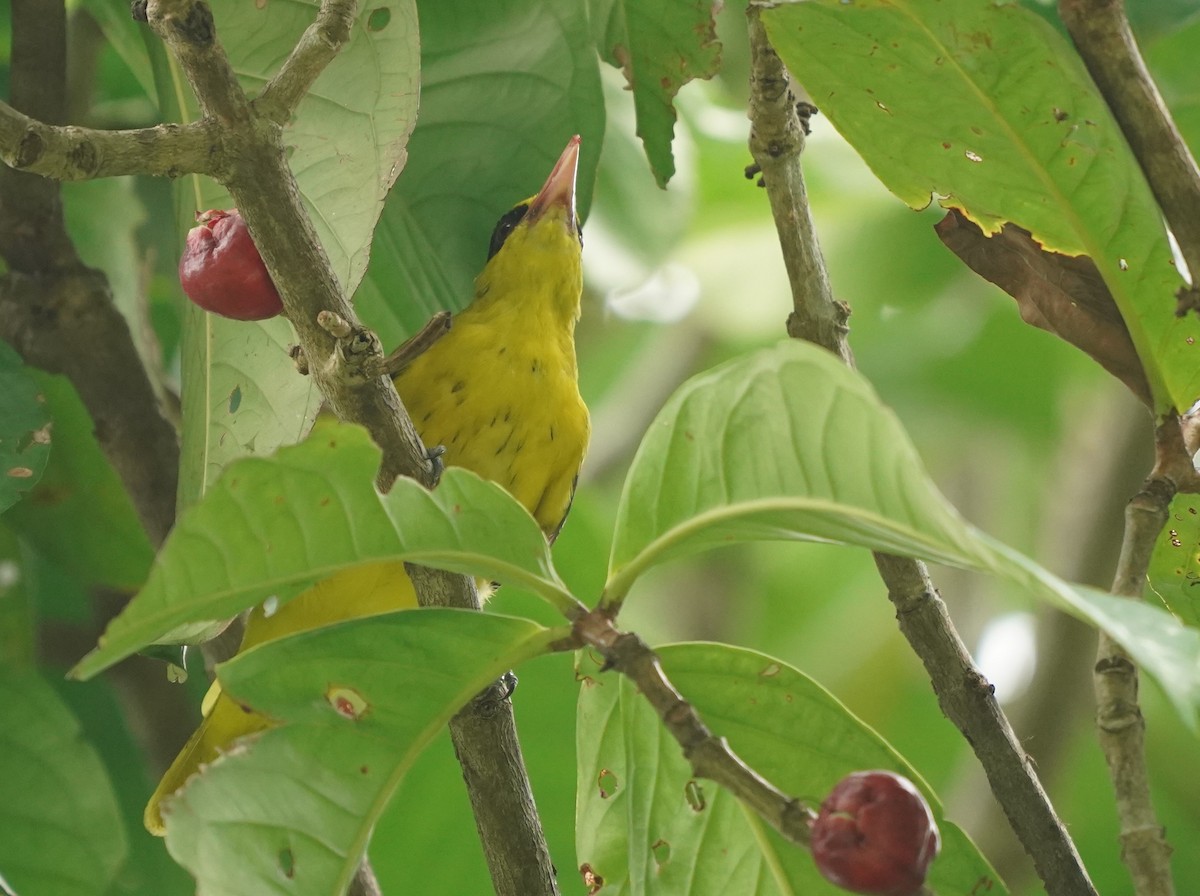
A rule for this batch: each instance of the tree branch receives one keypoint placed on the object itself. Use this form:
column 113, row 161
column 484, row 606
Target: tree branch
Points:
column 343, row 357
column 59, row 314
column 1103, row 38
column 1122, row 728
column 72, row 153
column 964, row 695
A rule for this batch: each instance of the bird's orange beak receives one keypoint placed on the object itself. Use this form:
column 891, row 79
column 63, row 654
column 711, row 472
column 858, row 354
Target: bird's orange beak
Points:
column 559, row 189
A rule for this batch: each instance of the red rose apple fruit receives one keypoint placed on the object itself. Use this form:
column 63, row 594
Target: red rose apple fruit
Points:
column 222, row 272
column 875, row 835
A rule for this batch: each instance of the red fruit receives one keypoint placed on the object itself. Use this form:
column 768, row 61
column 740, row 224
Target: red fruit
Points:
column 875, row 835
column 222, row 272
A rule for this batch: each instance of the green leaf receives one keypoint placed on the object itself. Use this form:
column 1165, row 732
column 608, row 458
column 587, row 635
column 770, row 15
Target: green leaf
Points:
column 659, row 47
column 503, row 87
column 1175, row 565
column 125, row 36
column 790, row 444
column 241, row 396
column 1172, row 62
column 984, row 107
column 293, row 812
column 646, row 825
column 24, row 429
column 348, row 140
column 347, row 143
column 273, row 526
column 79, row 515
column 104, row 217
column 784, row 443
column 63, row 833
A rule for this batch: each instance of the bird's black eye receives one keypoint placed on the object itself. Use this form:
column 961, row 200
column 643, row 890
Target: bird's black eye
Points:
column 506, row 225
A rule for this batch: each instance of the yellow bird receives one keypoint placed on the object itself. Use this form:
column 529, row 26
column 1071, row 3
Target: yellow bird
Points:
column 500, row 392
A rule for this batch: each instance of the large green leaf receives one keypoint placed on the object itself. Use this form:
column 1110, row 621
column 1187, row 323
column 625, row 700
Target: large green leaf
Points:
column 24, row 429
column 347, row 143
column 646, row 825
column 985, row 108
column 270, row 527
column 784, row 443
column 659, row 47
column 789, row 443
column 103, row 217
column 359, row 701
column 79, row 515
column 503, row 87
column 348, row 140
column 63, row 833
column 241, row 395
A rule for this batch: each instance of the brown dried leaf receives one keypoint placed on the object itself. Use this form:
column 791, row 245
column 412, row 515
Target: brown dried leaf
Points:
column 1062, row 294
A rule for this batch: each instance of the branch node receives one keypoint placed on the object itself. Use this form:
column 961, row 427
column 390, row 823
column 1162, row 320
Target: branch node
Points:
column 296, row 353
column 333, row 324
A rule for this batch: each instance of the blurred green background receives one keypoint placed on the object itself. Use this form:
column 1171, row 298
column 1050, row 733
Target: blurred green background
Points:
column 1033, row 443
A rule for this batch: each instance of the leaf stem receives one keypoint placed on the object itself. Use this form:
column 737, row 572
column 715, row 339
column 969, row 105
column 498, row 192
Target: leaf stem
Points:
column 709, row 755
column 776, row 142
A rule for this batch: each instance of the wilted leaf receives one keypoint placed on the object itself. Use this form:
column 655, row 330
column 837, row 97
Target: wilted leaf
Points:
column 984, row 107
column 1062, row 294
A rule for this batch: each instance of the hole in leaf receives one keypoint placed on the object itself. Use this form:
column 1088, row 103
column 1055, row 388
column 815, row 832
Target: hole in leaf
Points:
column 661, row 850
column 591, row 879
column 379, row 18
column 694, row 794
column 607, row 782
column 287, row 863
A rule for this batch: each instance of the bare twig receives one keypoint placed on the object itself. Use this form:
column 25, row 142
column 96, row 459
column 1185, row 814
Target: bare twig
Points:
column 963, row 693
column 57, row 313
column 253, row 168
column 1103, row 38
